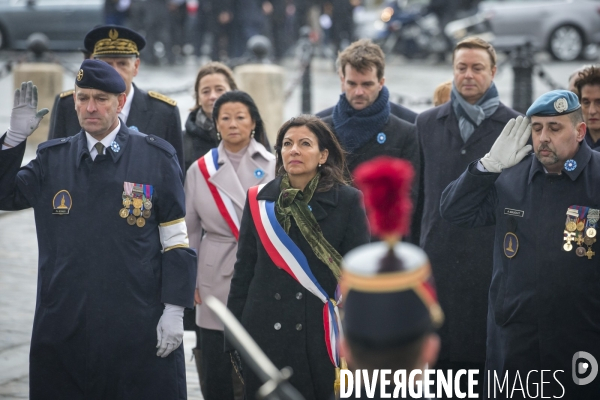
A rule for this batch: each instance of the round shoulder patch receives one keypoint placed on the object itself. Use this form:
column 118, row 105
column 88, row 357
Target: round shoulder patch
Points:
column 511, row 244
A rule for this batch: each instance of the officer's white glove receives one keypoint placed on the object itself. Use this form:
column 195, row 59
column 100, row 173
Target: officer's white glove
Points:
column 169, row 330
column 24, row 118
column 509, row 149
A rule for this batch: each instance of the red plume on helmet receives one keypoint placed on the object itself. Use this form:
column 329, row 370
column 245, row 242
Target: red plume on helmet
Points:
column 386, row 183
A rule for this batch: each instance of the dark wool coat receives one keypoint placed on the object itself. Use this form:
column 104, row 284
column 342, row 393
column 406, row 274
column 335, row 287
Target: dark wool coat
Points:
column 102, row 283
column 401, row 142
column 262, row 295
column 197, row 141
column 544, row 302
column 398, row 110
column 147, row 115
column 461, row 259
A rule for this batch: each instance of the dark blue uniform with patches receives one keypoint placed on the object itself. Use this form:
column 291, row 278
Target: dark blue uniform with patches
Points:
column 544, row 303
column 102, row 283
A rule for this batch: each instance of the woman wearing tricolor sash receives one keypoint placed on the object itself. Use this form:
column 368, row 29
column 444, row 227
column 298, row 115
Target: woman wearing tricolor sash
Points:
column 215, row 189
column 293, row 234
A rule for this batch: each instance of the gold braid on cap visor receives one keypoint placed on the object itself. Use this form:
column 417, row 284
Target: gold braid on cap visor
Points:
column 117, row 46
column 415, row 280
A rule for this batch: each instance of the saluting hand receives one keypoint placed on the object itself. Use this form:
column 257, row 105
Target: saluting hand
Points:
column 510, row 147
column 24, row 118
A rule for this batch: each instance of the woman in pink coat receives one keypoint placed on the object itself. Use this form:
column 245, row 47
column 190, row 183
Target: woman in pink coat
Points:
column 215, row 189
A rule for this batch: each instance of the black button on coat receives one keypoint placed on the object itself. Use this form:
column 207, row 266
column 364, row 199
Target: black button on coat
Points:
column 340, row 215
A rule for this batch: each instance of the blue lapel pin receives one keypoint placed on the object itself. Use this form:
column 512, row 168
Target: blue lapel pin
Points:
column 135, row 128
column 259, row 173
column 570, row 165
column 381, row 138
column 115, row 147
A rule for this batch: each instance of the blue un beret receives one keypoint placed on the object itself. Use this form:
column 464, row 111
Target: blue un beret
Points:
column 556, row 102
column 96, row 74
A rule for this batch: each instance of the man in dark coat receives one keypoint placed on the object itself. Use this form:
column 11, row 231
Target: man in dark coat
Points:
column 361, row 120
column 115, row 270
column 151, row 113
column 450, row 137
column 587, row 87
column 544, row 298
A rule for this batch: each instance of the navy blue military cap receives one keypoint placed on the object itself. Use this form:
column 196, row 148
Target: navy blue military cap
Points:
column 556, row 102
column 114, row 41
column 96, row 74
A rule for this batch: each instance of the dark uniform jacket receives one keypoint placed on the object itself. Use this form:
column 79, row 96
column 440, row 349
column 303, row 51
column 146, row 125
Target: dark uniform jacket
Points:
column 262, row 295
column 461, row 259
column 157, row 116
column 396, row 109
column 101, row 282
column 400, row 142
column 544, row 303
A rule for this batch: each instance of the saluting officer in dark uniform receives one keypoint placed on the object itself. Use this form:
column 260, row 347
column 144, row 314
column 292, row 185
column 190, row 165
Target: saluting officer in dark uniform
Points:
column 115, row 268
column 151, row 113
column 544, row 301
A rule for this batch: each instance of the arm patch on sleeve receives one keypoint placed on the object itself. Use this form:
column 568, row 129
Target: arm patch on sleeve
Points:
column 173, row 234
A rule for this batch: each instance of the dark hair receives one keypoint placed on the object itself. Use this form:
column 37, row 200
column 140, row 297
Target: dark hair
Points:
column 588, row 76
column 397, row 357
column 237, row 96
column 332, row 171
column 473, row 42
column 213, row 67
column 362, row 55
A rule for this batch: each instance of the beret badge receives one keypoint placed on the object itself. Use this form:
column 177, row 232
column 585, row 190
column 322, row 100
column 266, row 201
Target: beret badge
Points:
column 561, row 105
column 80, row 75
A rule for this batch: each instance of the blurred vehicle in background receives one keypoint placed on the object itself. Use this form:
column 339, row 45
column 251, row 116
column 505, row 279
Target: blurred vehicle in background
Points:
column 64, row 22
column 565, row 28
column 408, row 27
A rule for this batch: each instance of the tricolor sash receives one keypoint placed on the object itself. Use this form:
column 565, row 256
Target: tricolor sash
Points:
column 287, row 255
column 209, row 164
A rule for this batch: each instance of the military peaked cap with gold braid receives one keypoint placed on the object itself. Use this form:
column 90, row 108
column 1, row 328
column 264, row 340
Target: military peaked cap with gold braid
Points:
column 114, row 41
column 387, row 287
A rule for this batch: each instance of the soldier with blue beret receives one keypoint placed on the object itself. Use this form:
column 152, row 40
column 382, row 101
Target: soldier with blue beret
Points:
column 115, row 267
column 544, row 299
column 150, row 112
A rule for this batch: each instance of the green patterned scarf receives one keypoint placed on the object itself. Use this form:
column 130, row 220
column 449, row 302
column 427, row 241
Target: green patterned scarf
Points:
column 294, row 203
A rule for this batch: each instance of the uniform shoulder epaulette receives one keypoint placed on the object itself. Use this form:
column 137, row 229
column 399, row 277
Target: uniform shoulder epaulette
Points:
column 161, row 144
column 53, row 142
column 162, row 97
column 66, row 93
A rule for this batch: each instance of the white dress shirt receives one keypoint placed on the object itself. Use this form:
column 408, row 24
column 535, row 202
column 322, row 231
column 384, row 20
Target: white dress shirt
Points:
column 108, row 139
column 127, row 107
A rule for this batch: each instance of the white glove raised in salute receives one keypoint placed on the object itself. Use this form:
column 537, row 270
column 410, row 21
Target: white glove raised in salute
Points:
column 510, row 147
column 169, row 330
column 24, row 118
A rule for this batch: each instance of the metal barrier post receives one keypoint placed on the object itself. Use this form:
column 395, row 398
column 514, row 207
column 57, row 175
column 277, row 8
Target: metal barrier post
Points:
column 522, row 63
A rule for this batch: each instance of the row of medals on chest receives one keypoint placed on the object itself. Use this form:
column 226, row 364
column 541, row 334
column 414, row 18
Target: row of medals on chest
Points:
column 581, row 229
column 140, row 211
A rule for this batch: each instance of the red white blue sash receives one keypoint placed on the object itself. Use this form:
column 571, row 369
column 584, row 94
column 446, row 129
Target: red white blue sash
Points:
column 287, row 255
column 209, row 164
